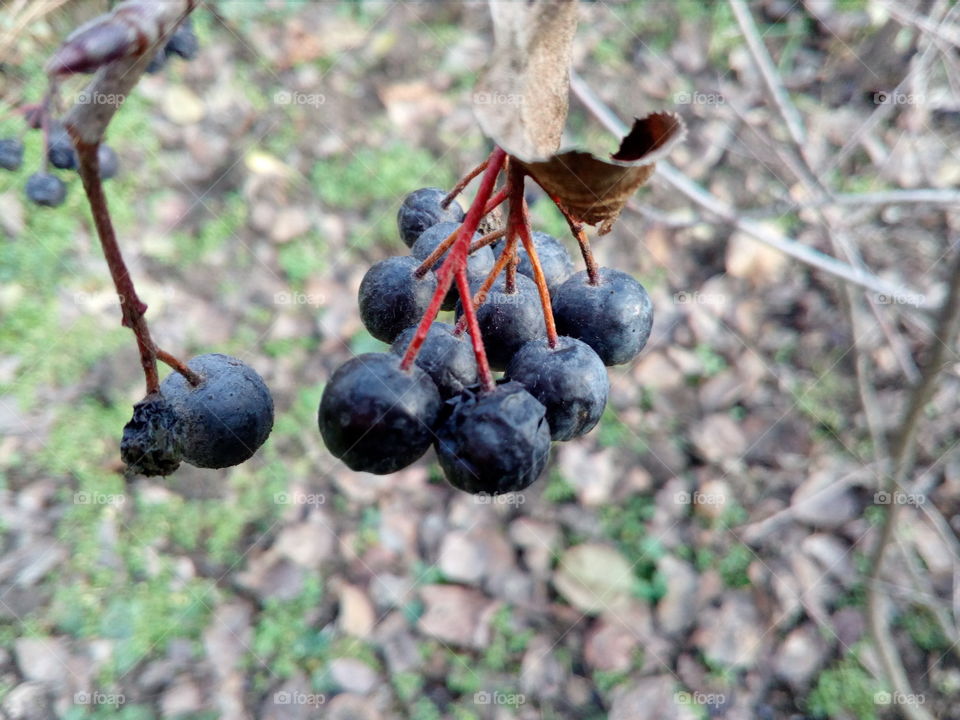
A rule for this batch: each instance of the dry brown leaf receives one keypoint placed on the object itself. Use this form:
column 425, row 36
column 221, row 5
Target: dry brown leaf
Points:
column 594, row 190
column 521, row 101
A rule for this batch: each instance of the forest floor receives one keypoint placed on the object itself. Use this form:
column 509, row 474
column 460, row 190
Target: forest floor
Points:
column 702, row 553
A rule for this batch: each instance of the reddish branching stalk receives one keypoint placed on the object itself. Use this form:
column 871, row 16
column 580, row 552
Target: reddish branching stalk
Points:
column 470, row 315
column 438, row 252
column 497, row 200
column 576, row 228
column 480, row 296
column 518, row 221
column 510, row 279
column 489, row 239
column 131, row 307
column 464, row 181
column 455, row 265
column 173, row 362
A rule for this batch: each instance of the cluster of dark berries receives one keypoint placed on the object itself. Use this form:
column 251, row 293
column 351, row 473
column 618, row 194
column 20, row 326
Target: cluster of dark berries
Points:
column 217, row 423
column 183, row 43
column 44, row 187
column 380, row 411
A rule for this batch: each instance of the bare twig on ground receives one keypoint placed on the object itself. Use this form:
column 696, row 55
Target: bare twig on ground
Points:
column 901, row 461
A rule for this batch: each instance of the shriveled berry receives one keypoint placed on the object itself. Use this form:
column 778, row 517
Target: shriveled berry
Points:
column 555, row 260
column 448, row 359
column 11, row 153
column 494, row 442
column 392, row 299
column 570, row 380
column 46, row 189
column 508, row 320
column 479, row 263
column 376, row 417
column 227, row 417
column 614, row 317
column 421, row 210
column 151, row 439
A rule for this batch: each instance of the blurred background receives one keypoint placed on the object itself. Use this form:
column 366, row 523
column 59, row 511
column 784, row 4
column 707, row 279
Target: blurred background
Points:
column 702, row 553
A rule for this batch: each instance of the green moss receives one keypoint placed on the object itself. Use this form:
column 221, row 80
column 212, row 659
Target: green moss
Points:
column 733, row 566
column 407, row 685
column 558, row 489
column 844, row 689
column 284, row 639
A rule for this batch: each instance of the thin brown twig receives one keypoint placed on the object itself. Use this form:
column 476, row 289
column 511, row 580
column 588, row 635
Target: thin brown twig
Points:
column 900, row 465
column 721, row 209
column 464, row 181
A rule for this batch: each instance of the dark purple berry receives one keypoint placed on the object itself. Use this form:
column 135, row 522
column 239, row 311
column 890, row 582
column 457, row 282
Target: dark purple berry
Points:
column 157, row 62
column 376, row 417
column 570, row 380
column 392, row 298
column 46, row 189
column 109, row 163
column 555, row 260
column 448, row 359
column 227, row 417
column 60, row 150
column 11, row 153
column 494, row 442
column 479, row 263
column 421, row 210
column 509, row 320
column 151, row 439
column 183, row 42
column 614, row 317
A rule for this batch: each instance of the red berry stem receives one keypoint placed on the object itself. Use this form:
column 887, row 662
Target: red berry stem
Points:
column 480, row 296
column 470, row 315
column 496, row 200
column 518, row 221
column 464, row 181
column 457, row 259
column 593, row 270
column 437, row 253
column 132, row 308
column 488, row 239
column 168, row 359
column 576, row 227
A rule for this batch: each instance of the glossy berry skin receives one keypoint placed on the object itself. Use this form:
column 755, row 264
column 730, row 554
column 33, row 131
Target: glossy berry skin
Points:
column 60, row 150
column 479, row 263
column 421, row 210
column 11, row 153
column 227, row 417
column 392, row 299
column 448, row 359
column 494, row 442
column 613, row 317
column 46, row 189
column 376, row 417
column 570, row 380
column 555, row 260
column 151, row 439
column 108, row 161
column 508, row 320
